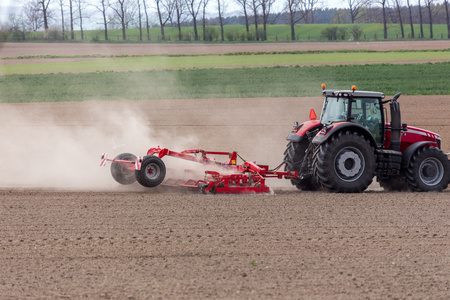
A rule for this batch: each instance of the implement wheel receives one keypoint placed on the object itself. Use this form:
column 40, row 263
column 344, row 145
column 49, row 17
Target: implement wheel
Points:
column 152, row 172
column 428, row 170
column 123, row 172
column 345, row 163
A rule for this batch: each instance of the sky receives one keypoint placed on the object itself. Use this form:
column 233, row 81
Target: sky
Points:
column 13, row 6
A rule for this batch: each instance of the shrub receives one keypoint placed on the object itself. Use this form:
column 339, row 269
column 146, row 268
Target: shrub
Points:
column 330, row 32
column 341, row 33
column 356, row 32
column 211, row 33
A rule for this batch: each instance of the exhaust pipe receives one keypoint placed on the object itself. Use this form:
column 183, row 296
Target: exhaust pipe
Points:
column 396, row 124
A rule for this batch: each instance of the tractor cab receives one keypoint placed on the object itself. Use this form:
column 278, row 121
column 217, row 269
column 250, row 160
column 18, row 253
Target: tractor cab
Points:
column 359, row 107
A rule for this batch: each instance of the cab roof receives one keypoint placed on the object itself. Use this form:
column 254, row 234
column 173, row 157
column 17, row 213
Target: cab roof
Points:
column 347, row 93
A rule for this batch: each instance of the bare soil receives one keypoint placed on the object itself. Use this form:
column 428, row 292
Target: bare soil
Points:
column 69, row 231
column 70, row 49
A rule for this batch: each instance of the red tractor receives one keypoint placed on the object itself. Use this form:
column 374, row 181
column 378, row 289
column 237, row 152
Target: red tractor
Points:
column 353, row 142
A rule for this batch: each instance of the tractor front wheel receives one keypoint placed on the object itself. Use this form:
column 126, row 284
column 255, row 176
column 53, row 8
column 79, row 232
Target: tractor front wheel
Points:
column 123, row 172
column 294, row 155
column 428, row 170
column 345, row 163
column 152, row 172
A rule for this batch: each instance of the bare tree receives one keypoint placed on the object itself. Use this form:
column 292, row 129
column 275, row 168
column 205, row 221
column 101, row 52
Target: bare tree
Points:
column 204, row 4
column 81, row 10
column 139, row 19
column 124, row 11
column 101, row 6
column 147, row 25
column 164, row 9
column 266, row 6
column 180, row 7
column 410, row 18
column 296, row 12
column 420, row 19
column 383, row 8
column 399, row 12
column 244, row 4
column 311, row 7
column 61, row 6
column 72, row 33
column 255, row 4
column 193, row 7
column 429, row 4
column 221, row 9
column 45, row 11
column 355, row 8
column 17, row 27
column 34, row 18
column 447, row 18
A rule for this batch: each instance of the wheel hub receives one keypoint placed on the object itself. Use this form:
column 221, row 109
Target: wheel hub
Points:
column 152, row 171
column 431, row 171
column 349, row 164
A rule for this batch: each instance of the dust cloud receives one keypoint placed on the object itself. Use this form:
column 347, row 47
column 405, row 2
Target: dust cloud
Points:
column 59, row 145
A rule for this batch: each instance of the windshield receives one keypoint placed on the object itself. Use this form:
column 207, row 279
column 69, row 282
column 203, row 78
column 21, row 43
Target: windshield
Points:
column 334, row 110
column 364, row 111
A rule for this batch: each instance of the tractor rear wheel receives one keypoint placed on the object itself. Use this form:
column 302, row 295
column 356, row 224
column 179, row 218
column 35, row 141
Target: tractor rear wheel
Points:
column 428, row 170
column 345, row 163
column 123, row 172
column 152, row 172
column 294, row 156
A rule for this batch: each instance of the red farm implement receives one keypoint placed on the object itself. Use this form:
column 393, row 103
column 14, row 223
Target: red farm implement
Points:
column 224, row 177
column 351, row 144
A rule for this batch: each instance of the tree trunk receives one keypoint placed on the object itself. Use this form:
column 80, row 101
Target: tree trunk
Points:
column 430, row 15
column 62, row 18
column 246, row 19
column 447, row 18
column 204, row 22
column 179, row 22
column 72, row 34
column 384, row 21
column 291, row 20
column 220, row 20
column 161, row 24
column 195, row 28
column 140, row 19
column 421, row 20
column 146, row 20
column 44, row 12
column 411, row 20
column 81, row 20
column 400, row 18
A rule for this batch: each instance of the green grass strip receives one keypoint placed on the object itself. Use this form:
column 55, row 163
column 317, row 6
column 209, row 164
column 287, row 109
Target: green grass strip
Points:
column 140, row 63
column 411, row 79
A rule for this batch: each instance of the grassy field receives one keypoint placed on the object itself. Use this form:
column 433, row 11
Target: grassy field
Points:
column 304, row 32
column 411, row 79
column 109, row 63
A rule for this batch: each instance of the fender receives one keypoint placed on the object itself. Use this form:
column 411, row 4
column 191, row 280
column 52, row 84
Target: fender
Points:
column 332, row 129
column 299, row 131
column 408, row 153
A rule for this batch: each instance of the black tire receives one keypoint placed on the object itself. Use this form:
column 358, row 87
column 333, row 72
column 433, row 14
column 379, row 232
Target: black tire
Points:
column 345, row 163
column 293, row 156
column 121, row 172
column 152, row 172
column 428, row 170
column 395, row 183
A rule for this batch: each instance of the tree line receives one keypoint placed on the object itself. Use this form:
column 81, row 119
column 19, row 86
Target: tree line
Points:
column 72, row 15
